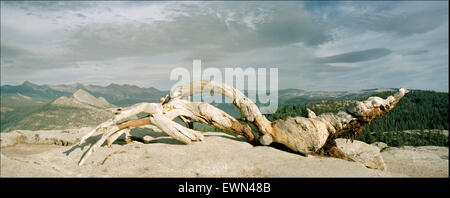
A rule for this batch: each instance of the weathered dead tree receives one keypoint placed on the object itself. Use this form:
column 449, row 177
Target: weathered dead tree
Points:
column 314, row 134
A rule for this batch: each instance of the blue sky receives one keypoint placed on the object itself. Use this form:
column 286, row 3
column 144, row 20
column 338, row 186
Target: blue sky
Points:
column 315, row 45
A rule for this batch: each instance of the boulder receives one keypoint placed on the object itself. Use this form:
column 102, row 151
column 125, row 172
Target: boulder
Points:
column 358, row 151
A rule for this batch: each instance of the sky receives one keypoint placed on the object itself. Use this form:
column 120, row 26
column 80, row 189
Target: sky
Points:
column 327, row 46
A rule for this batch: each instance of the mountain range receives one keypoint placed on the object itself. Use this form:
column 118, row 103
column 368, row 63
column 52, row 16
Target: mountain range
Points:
column 125, row 95
column 120, row 95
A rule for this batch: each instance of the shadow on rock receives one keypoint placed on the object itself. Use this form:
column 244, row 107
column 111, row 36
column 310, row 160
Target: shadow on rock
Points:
column 89, row 142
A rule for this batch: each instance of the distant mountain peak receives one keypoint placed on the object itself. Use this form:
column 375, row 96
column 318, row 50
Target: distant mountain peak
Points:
column 83, row 99
column 28, row 83
column 81, row 92
column 113, row 85
column 83, row 96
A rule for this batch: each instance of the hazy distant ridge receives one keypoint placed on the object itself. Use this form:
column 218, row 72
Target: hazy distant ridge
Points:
column 119, row 95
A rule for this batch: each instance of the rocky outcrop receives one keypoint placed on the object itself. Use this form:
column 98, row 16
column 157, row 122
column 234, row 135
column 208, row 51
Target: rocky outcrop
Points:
column 218, row 155
column 49, row 137
column 55, row 153
column 422, row 161
column 358, row 151
column 380, row 145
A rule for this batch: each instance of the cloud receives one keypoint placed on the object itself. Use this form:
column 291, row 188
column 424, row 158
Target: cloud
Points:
column 358, row 56
column 292, row 24
column 402, row 18
column 315, row 45
column 49, row 6
column 81, row 15
column 12, row 51
column 202, row 34
column 410, row 18
column 414, row 52
column 420, row 53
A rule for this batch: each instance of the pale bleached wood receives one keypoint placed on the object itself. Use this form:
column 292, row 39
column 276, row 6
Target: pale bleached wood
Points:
column 110, row 129
column 315, row 134
column 304, row 135
column 208, row 114
column 108, row 132
column 110, row 140
column 249, row 110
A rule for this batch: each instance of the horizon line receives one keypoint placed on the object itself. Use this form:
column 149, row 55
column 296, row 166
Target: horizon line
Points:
column 1, row 85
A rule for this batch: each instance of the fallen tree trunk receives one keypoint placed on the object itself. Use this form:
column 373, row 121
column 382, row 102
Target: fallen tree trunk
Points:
column 315, row 134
